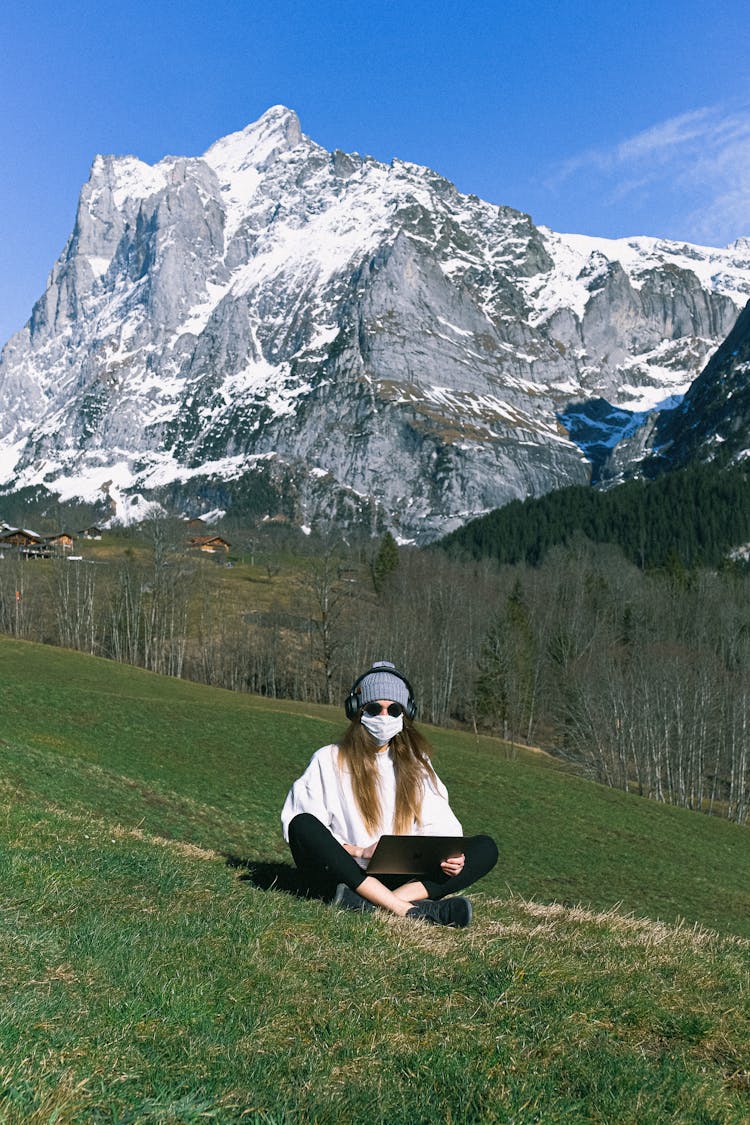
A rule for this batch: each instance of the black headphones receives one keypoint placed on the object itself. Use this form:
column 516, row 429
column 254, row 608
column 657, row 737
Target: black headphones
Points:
column 352, row 703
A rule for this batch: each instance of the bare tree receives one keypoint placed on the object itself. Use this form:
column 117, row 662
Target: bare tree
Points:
column 325, row 586
column 74, row 596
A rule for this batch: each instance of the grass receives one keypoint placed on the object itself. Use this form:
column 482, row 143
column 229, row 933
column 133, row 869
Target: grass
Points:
column 149, row 974
column 242, row 581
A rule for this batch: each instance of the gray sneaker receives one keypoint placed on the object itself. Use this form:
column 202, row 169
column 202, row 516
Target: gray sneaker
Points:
column 454, row 912
column 347, row 899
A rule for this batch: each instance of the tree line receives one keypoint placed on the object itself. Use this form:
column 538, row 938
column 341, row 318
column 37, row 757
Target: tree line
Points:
column 693, row 517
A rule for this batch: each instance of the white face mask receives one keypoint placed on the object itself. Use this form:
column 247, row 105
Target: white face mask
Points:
column 383, row 727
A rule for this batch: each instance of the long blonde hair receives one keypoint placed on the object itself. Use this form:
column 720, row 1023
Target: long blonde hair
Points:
column 411, row 762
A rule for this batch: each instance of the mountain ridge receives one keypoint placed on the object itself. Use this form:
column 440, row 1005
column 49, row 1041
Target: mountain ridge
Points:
column 362, row 339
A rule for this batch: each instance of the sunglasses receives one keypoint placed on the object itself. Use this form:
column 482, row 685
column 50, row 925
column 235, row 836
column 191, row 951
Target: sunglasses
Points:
column 373, row 709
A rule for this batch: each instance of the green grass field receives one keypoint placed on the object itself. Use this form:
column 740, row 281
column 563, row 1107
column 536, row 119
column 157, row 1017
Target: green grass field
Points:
column 156, row 967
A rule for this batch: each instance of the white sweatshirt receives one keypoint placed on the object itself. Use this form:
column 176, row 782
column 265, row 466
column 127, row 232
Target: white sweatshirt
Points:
column 326, row 791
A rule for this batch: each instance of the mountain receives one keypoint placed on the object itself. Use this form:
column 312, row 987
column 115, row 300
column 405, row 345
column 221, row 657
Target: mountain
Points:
column 712, row 422
column 281, row 330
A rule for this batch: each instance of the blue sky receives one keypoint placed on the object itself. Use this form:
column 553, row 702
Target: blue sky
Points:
column 596, row 117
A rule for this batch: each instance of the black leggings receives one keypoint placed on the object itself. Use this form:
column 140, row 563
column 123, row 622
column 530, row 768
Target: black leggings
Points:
column 323, row 862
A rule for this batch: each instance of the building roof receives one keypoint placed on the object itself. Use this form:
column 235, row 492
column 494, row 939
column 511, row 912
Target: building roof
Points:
column 9, row 532
column 206, row 540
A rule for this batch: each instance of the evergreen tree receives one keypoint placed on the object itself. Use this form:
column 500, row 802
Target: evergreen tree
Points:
column 385, row 562
column 507, row 681
column 694, row 515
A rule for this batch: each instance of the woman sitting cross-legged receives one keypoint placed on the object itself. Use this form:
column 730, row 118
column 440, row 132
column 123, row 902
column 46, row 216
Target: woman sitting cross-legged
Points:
column 379, row 779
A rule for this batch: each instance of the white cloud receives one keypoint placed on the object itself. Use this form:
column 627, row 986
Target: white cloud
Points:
column 664, row 142
column 693, row 171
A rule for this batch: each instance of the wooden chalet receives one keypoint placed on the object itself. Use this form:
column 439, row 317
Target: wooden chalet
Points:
column 212, row 544
column 33, row 546
column 62, row 542
column 26, row 543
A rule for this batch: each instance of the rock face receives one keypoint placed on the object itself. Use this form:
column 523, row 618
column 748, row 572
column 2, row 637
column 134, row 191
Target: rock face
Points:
column 280, row 328
column 712, row 423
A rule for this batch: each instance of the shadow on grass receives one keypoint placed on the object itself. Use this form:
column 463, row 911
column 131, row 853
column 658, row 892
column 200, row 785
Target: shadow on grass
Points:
column 282, row 877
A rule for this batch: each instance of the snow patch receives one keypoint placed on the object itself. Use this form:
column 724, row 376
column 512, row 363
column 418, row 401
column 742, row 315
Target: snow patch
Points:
column 198, row 317
column 99, row 266
column 134, row 179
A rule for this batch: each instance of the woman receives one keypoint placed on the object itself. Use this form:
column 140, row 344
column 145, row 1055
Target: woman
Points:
column 378, row 779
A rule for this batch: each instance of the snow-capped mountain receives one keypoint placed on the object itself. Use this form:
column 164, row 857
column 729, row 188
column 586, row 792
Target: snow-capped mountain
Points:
column 279, row 328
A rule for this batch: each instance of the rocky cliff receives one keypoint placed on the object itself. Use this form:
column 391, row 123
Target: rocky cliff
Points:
column 280, row 329
column 712, row 422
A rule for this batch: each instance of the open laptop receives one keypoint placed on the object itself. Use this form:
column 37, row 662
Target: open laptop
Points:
column 413, row 855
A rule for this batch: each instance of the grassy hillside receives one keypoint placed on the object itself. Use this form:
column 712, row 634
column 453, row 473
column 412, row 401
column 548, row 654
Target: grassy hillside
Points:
column 149, row 974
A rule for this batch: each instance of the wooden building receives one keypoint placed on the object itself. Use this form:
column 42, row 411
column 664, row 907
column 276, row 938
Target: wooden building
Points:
column 26, row 543
column 213, row 544
column 61, row 542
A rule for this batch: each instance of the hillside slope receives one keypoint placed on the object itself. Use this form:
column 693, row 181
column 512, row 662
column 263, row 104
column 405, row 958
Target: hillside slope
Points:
column 150, row 977
column 144, row 983
column 697, row 515
column 211, row 768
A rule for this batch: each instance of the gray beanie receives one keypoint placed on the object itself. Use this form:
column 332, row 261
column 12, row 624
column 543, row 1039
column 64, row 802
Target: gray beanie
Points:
column 380, row 683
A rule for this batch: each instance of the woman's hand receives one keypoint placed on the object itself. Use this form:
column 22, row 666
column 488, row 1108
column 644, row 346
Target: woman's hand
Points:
column 360, row 853
column 454, row 865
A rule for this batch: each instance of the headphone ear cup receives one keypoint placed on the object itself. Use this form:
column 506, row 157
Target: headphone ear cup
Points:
column 411, row 709
column 351, row 706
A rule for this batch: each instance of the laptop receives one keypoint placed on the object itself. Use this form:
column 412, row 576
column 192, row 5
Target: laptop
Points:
column 413, row 855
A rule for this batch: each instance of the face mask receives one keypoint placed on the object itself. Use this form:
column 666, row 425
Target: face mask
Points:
column 382, row 727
